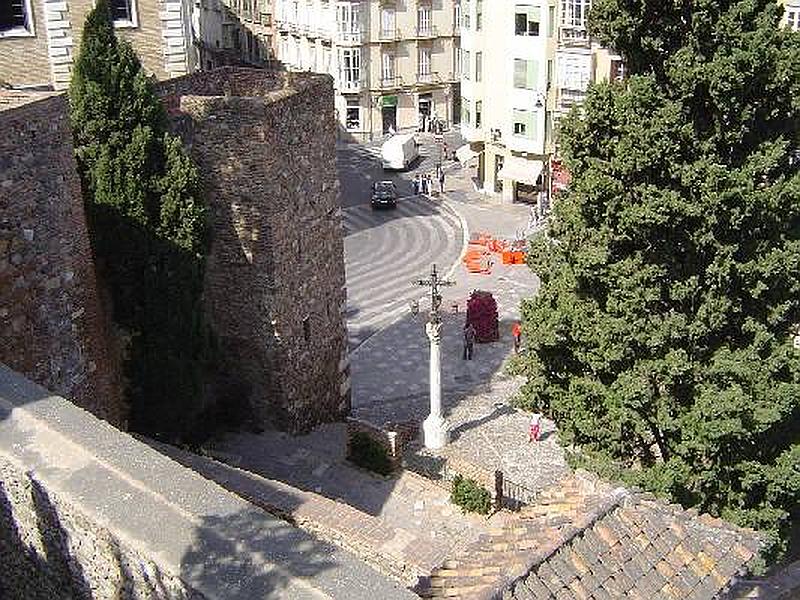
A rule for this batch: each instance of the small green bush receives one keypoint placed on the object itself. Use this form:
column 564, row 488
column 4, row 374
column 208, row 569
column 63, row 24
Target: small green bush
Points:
column 470, row 496
column 369, row 454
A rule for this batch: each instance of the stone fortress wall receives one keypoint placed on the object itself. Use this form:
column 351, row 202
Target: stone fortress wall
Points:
column 52, row 326
column 264, row 141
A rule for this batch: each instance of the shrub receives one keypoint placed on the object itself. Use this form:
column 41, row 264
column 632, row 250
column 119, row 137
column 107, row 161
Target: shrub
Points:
column 369, row 454
column 482, row 313
column 470, row 495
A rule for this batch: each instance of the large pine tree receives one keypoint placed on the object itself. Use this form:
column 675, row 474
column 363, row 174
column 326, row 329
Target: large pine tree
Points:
column 661, row 340
column 147, row 224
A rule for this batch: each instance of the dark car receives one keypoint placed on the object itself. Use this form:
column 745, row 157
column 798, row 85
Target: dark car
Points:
column 384, row 195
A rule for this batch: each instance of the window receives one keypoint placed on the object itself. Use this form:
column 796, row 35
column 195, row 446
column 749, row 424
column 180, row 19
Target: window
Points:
column 574, row 13
column 424, row 20
column 551, row 21
column 348, row 21
column 465, row 64
column 617, row 70
column 387, row 67
column 524, row 123
column 465, row 14
column 424, row 61
column 350, row 67
column 353, row 120
column 793, row 19
column 549, row 73
column 478, row 15
column 457, row 15
column 457, row 62
column 124, row 13
column 526, row 20
column 478, row 66
column 525, row 73
column 466, row 117
column 478, row 109
column 388, row 22
column 16, row 18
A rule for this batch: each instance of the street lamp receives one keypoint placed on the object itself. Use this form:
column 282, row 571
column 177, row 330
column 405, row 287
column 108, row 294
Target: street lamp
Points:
column 435, row 429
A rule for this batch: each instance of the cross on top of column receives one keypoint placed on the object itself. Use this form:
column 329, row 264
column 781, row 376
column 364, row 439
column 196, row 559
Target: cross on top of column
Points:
column 434, row 282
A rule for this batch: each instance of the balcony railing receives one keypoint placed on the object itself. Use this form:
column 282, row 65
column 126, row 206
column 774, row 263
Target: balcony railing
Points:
column 350, row 85
column 573, row 36
column 388, row 83
column 352, row 38
column 389, row 35
column 426, row 32
column 428, row 78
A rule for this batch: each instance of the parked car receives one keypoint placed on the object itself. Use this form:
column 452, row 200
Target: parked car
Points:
column 384, row 194
column 399, row 151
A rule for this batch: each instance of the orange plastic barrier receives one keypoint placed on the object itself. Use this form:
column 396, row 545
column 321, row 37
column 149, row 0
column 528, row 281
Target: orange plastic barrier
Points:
column 476, row 259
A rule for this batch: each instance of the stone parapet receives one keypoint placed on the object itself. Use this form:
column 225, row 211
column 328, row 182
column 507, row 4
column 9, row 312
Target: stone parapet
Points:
column 88, row 511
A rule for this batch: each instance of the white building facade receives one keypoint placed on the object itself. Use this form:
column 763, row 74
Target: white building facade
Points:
column 393, row 63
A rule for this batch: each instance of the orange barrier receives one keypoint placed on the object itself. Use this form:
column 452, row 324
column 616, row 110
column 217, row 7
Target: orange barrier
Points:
column 512, row 257
column 476, row 259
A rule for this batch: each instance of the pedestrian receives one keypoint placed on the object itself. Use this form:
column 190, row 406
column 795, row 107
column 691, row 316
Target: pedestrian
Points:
column 441, row 181
column 429, row 183
column 415, row 184
column 516, row 331
column 469, row 340
column 425, row 187
column 445, row 155
column 535, row 428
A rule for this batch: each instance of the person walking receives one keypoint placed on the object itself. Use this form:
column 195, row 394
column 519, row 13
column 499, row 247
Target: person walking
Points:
column 516, row 331
column 535, row 428
column 469, row 340
column 415, row 184
column 441, row 181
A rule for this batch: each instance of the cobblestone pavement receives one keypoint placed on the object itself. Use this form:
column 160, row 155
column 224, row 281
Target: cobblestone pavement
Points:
column 405, row 526
column 385, row 250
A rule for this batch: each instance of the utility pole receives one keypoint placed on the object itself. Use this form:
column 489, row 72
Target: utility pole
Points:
column 435, row 428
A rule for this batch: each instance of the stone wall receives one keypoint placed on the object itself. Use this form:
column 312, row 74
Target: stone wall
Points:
column 264, row 142
column 87, row 511
column 52, row 326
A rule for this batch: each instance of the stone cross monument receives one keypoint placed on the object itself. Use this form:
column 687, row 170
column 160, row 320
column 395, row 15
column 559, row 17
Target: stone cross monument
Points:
column 435, row 428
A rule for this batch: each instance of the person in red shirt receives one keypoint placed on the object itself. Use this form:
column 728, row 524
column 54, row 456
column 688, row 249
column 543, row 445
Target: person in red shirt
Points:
column 516, row 331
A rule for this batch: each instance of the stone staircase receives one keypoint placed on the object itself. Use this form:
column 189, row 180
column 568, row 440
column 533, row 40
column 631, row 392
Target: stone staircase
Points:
column 485, row 568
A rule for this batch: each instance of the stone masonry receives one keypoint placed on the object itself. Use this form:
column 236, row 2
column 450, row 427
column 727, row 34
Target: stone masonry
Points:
column 264, row 142
column 52, row 326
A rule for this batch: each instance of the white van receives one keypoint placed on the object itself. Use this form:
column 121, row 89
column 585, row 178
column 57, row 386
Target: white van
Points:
column 399, row 151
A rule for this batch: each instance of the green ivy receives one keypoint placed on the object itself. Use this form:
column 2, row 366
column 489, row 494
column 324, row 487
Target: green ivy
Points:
column 470, row 496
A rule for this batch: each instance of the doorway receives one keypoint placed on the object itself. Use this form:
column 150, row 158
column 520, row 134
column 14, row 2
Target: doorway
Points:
column 389, row 116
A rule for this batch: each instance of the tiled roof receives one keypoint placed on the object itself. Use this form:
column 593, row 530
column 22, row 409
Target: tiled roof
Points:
column 644, row 549
column 13, row 98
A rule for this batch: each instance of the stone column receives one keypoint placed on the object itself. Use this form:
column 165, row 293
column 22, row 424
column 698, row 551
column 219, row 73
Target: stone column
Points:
column 435, row 428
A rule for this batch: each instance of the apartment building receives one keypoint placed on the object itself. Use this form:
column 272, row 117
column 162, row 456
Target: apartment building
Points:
column 524, row 65
column 39, row 39
column 394, row 63
column 233, row 32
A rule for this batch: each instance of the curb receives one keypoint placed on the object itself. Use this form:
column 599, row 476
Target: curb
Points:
column 445, row 205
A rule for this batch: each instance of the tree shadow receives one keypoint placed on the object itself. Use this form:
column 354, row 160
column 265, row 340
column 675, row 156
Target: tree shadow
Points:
column 498, row 411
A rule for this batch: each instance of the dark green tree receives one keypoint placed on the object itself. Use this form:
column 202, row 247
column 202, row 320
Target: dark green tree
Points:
column 147, row 224
column 661, row 339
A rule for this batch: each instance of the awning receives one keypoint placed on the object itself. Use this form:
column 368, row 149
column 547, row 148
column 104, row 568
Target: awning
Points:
column 521, row 170
column 465, row 153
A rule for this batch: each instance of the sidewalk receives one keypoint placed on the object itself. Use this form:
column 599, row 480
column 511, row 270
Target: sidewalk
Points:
column 404, row 526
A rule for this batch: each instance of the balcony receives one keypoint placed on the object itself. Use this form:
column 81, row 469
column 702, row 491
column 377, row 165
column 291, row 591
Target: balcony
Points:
column 428, row 78
column 391, row 83
column 574, row 36
column 389, row 35
column 568, row 98
column 425, row 33
column 350, row 86
column 348, row 38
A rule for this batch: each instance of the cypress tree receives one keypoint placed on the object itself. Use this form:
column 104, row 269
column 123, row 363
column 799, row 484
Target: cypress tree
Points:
column 147, row 224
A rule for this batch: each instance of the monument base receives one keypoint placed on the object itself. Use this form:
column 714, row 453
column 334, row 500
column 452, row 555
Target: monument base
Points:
column 436, row 432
